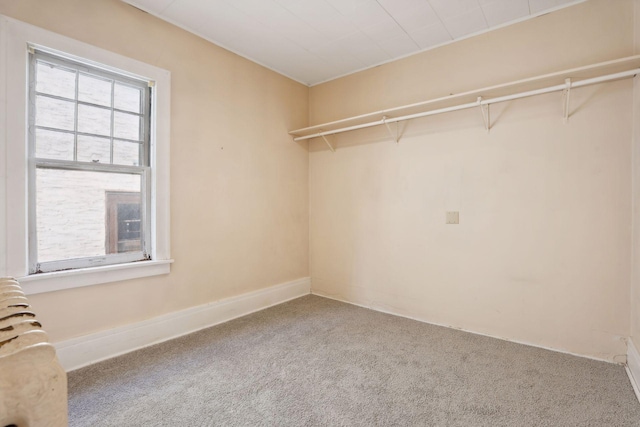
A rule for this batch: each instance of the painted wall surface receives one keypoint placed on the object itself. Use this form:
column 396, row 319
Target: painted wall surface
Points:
column 239, row 187
column 635, row 260
column 542, row 252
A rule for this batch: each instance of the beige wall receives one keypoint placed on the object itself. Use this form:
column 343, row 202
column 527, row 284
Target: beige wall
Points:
column 542, row 252
column 239, row 187
column 635, row 263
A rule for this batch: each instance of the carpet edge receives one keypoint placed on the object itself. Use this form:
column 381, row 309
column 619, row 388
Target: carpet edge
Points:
column 417, row 319
column 633, row 367
column 88, row 349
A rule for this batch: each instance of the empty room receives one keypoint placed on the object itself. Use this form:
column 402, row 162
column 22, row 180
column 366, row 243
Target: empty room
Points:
column 319, row 213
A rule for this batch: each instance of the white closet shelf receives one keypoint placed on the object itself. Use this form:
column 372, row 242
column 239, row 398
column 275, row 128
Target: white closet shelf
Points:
column 481, row 98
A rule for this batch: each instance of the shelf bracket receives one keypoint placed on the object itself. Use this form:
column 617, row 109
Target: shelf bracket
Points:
column 333, row 150
column 486, row 114
column 566, row 95
column 396, row 138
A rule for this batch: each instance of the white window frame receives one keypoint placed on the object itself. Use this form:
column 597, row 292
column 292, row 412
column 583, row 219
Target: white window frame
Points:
column 15, row 39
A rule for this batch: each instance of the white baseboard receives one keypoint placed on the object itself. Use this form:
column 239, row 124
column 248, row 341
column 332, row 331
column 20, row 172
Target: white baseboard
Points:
column 633, row 367
column 393, row 313
column 88, row 349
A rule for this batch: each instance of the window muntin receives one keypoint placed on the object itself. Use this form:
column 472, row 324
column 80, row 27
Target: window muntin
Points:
column 89, row 137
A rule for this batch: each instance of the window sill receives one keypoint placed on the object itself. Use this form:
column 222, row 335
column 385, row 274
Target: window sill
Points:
column 69, row 279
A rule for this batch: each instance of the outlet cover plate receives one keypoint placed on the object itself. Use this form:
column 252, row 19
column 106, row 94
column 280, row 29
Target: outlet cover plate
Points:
column 453, row 218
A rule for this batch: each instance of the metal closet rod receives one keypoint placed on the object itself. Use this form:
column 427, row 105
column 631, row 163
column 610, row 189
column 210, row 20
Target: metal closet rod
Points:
column 480, row 102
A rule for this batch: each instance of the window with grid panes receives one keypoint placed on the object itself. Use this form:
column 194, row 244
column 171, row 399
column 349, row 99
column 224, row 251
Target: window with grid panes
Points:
column 89, row 140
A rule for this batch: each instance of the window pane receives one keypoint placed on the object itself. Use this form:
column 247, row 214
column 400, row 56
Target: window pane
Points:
column 55, row 81
column 94, row 120
column 127, row 98
column 126, row 126
column 126, row 153
column 54, row 113
column 124, row 224
column 73, row 216
column 54, row 145
column 94, row 90
column 94, row 149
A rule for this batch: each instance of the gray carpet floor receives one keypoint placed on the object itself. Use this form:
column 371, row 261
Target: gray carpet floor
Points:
column 318, row 362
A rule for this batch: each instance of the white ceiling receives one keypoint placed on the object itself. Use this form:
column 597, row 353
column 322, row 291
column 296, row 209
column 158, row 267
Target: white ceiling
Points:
column 313, row 41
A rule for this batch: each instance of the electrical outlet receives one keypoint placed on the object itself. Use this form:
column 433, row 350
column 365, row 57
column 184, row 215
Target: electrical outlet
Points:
column 453, row 218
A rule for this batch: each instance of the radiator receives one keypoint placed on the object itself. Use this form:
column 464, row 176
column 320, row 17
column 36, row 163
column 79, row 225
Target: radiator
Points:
column 33, row 385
